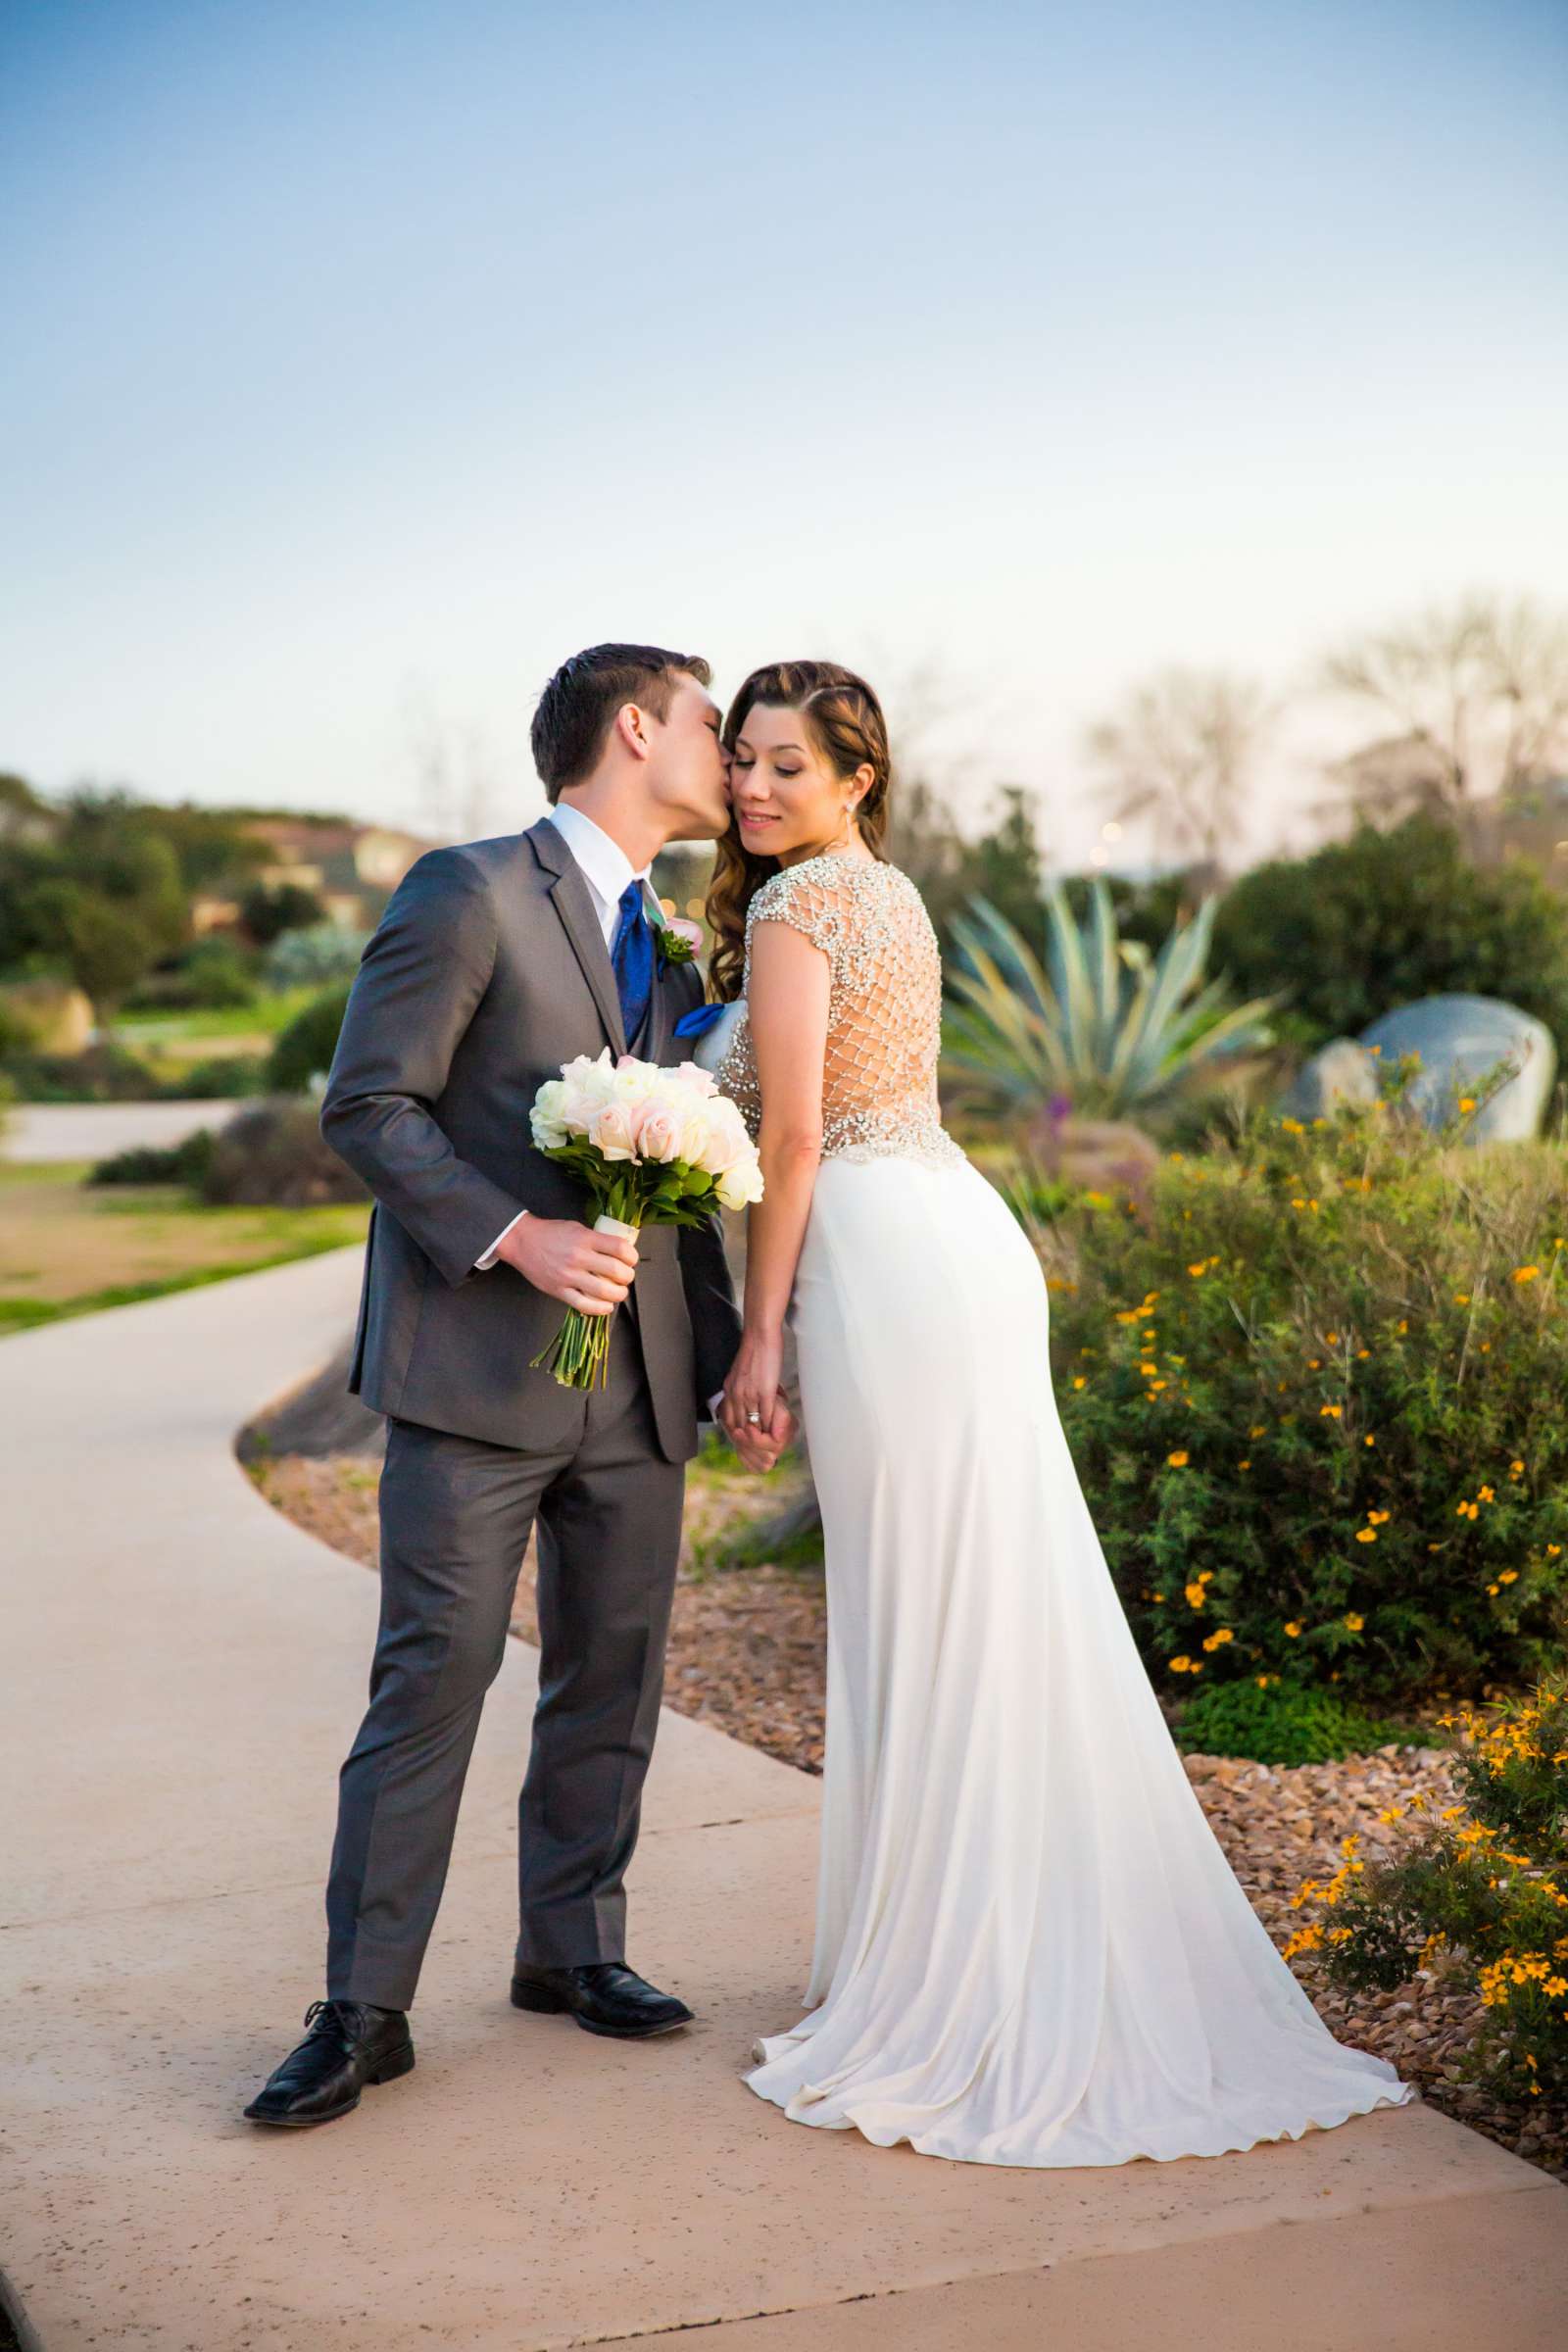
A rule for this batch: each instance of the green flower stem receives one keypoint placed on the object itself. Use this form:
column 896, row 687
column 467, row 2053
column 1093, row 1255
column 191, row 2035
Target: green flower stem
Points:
column 578, row 1356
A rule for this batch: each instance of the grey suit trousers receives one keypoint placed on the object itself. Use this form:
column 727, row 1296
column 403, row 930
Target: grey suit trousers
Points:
column 456, row 1515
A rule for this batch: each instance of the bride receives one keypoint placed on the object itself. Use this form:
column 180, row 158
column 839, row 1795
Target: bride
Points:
column 1030, row 1949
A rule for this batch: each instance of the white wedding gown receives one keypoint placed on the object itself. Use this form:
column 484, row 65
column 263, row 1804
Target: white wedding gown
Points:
column 1030, row 1948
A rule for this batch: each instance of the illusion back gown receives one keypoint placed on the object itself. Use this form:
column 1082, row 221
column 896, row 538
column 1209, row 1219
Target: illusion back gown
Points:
column 1029, row 1947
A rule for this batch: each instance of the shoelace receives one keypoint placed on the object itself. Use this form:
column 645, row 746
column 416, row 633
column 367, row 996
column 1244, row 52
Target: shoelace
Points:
column 322, row 2009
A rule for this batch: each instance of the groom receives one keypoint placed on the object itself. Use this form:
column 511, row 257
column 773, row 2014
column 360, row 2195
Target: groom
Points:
column 494, row 962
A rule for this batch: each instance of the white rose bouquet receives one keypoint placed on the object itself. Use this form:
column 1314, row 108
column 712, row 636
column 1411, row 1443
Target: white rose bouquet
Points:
column 653, row 1147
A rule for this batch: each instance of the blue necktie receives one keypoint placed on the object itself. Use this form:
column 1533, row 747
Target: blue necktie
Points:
column 632, row 956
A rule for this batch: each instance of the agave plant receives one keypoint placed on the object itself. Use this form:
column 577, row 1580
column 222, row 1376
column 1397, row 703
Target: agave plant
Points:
column 1103, row 1023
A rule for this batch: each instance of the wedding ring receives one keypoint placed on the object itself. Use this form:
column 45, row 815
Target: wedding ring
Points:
column 755, row 1418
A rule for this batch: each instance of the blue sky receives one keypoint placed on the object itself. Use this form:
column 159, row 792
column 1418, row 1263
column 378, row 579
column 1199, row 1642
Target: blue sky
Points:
column 363, row 360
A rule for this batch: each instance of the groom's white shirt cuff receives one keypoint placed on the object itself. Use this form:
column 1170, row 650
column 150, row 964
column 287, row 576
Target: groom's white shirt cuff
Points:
column 606, row 870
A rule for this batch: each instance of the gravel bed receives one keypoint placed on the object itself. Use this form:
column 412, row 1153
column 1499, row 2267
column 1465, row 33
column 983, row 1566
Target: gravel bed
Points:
column 746, row 1653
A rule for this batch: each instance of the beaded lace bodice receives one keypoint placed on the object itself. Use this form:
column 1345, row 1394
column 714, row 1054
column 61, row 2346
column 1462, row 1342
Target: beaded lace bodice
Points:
column 884, row 1026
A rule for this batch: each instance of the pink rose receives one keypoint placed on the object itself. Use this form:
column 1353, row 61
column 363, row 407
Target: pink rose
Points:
column 612, row 1132
column 660, row 1135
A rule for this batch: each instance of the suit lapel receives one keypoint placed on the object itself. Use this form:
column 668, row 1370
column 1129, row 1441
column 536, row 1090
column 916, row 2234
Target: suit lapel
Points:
column 580, row 922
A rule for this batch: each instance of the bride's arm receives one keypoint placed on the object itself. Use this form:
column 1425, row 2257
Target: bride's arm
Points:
column 787, row 1009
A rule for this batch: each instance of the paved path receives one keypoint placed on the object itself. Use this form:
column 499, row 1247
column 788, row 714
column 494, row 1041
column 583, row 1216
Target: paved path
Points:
column 47, row 1131
column 184, row 1672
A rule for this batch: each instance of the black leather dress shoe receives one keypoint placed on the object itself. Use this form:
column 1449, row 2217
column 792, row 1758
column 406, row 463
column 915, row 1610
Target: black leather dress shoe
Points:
column 605, row 1996
column 348, row 2043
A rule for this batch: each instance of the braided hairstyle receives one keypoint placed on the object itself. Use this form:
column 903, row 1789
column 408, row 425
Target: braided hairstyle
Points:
column 846, row 725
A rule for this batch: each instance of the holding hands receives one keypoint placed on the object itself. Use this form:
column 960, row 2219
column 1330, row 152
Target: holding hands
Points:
column 753, row 1413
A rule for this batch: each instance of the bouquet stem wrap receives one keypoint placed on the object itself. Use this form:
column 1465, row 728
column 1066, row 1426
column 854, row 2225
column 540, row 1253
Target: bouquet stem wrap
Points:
column 651, row 1146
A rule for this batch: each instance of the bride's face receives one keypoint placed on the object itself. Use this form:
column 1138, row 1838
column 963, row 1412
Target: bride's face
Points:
column 789, row 801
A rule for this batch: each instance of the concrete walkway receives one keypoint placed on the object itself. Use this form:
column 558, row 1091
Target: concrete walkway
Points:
column 186, row 1670
column 40, row 1132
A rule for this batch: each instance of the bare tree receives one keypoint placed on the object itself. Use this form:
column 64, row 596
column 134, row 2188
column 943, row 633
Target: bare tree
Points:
column 1180, row 757
column 457, row 788
column 1477, row 694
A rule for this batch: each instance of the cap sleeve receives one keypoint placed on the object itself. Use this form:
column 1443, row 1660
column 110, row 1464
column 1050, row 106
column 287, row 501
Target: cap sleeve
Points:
column 806, row 899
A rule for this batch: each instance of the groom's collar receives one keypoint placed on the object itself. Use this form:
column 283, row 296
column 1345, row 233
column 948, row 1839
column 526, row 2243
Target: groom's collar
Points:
column 604, row 862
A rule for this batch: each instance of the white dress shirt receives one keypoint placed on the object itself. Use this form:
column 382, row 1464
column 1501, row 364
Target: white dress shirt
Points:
column 606, row 870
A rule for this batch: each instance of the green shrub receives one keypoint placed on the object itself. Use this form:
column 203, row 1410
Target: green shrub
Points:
column 315, row 957
column 275, row 1156
column 1317, row 1402
column 1385, row 918
column 223, row 1075
column 1481, row 1888
column 267, row 914
column 210, row 976
column 305, row 1049
column 1278, row 1723
column 184, row 1163
column 104, row 1073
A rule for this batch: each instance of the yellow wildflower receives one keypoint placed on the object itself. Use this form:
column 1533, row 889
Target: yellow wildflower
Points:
column 1526, row 1273
column 1178, row 1460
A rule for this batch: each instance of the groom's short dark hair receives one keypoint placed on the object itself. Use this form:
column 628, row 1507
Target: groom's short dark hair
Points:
column 577, row 709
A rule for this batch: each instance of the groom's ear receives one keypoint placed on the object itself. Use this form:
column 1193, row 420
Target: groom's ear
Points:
column 632, row 723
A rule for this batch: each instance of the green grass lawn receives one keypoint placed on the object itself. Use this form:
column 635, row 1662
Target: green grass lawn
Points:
column 264, row 1016
column 67, row 1249
column 171, row 1041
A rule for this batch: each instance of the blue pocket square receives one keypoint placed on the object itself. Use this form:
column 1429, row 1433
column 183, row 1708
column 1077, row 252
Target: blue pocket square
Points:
column 699, row 1019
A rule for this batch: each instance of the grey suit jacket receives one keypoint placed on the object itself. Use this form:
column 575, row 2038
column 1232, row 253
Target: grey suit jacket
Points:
column 488, row 971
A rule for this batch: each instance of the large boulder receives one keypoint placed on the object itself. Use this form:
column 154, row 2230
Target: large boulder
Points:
column 1460, row 1040
column 1342, row 1072
column 47, row 1017
column 315, row 1418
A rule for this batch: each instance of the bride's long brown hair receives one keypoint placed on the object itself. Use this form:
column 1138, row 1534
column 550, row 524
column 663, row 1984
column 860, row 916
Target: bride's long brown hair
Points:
column 845, row 722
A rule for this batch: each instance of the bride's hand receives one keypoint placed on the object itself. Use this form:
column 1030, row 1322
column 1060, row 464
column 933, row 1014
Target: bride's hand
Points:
column 753, row 1414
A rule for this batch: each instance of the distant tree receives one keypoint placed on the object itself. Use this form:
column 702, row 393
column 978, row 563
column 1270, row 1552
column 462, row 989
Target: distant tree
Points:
column 1385, row 918
column 267, row 913
column 1002, row 864
column 1472, row 700
column 212, row 847
column 1180, row 758
column 24, row 812
column 103, row 943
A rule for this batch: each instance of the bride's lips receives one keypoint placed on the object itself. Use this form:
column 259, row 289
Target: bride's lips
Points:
column 752, row 820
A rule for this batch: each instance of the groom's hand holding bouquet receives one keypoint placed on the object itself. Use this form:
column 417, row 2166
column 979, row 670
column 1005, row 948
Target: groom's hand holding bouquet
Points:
column 651, row 1146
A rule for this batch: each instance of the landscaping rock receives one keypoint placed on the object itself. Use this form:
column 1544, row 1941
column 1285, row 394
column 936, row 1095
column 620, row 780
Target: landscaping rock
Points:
column 49, row 1016
column 316, row 1420
column 1342, row 1072
column 1460, row 1039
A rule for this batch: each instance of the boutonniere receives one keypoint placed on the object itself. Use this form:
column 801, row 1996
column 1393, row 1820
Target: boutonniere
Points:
column 678, row 940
